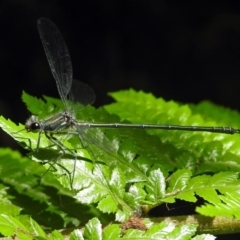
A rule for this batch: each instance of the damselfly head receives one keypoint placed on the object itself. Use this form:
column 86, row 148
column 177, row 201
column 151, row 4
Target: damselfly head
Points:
column 32, row 124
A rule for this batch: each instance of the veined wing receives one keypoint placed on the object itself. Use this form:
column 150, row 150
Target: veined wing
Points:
column 58, row 56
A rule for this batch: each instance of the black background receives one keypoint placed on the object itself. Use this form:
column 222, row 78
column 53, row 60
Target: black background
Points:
column 185, row 51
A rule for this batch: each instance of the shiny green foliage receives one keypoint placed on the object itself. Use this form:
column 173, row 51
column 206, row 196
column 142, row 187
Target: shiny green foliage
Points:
column 107, row 174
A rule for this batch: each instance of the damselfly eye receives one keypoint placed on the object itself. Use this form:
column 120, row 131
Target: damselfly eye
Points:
column 32, row 124
column 35, row 126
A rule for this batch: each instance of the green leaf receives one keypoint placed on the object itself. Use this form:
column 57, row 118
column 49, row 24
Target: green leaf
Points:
column 55, row 235
column 207, row 147
column 179, row 179
column 112, row 231
column 7, row 208
column 18, row 132
column 156, row 185
column 76, row 235
column 96, row 187
column 224, row 203
column 10, row 226
column 213, row 111
column 138, row 192
column 38, row 231
column 93, row 230
column 204, row 237
column 170, row 231
column 161, row 231
column 40, row 108
column 34, row 189
column 228, row 206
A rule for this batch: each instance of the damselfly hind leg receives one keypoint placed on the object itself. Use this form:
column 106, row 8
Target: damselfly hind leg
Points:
column 63, row 151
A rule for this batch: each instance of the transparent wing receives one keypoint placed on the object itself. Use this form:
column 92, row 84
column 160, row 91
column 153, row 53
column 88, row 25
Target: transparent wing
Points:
column 81, row 92
column 58, row 56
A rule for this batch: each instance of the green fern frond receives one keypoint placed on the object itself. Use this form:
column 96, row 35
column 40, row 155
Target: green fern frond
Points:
column 121, row 171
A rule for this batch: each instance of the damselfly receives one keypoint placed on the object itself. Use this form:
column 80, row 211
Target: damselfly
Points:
column 60, row 63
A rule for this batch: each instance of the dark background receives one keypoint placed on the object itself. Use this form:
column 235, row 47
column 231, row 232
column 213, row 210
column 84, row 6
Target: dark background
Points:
column 187, row 51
